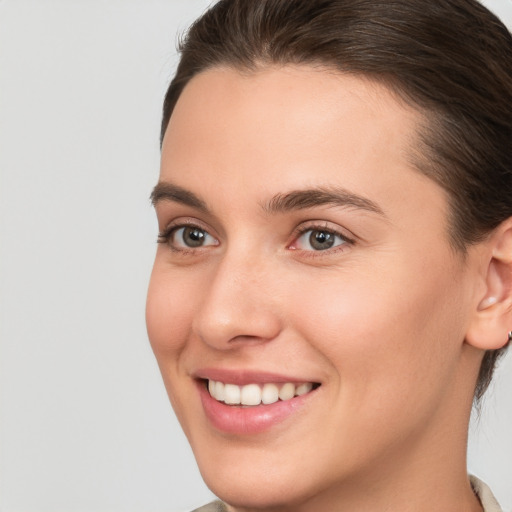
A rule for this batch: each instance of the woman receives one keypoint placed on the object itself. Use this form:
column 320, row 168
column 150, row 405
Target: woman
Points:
column 333, row 284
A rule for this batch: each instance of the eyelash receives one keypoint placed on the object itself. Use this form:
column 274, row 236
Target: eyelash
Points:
column 165, row 236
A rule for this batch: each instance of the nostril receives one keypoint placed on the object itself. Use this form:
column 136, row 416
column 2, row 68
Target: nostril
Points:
column 248, row 339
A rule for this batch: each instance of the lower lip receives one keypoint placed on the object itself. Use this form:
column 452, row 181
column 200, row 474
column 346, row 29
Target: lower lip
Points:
column 241, row 420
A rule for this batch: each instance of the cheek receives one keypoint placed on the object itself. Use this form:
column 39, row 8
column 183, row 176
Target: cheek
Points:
column 384, row 333
column 169, row 313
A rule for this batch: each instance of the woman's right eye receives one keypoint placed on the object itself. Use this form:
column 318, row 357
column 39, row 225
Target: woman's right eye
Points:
column 187, row 237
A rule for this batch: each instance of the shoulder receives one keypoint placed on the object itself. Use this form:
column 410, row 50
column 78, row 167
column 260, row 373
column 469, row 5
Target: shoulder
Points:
column 214, row 506
column 484, row 494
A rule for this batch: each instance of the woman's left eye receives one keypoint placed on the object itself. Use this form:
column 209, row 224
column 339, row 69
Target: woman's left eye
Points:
column 316, row 239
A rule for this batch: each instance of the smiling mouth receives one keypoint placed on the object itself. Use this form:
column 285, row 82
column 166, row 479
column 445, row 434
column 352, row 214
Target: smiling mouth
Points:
column 257, row 394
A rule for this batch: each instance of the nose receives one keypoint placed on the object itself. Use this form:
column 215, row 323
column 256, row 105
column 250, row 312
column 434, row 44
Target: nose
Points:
column 238, row 306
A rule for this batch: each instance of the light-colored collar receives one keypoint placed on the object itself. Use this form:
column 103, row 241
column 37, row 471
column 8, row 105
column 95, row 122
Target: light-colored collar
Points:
column 485, row 495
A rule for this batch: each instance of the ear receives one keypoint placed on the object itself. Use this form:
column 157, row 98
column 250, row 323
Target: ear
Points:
column 492, row 321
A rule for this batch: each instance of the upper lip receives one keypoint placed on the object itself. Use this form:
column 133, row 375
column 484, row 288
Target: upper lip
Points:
column 243, row 377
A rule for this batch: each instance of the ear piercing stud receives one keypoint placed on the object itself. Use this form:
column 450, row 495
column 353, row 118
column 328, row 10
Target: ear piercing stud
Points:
column 510, row 336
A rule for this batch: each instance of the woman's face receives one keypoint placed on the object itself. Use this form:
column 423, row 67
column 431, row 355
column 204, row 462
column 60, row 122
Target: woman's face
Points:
column 303, row 254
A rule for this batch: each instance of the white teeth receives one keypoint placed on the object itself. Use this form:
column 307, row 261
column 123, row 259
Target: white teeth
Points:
column 287, row 391
column 232, row 394
column 255, row 394
column 303, row 389
column 218, row 390
column 250, row 395
column 269, row 394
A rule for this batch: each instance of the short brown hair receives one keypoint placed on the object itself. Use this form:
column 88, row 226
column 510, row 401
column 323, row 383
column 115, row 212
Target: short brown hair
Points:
column 451, row 59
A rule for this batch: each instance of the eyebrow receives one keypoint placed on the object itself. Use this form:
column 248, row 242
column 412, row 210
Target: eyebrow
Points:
column 280, row 203
column 321, row 196
column 165, row 191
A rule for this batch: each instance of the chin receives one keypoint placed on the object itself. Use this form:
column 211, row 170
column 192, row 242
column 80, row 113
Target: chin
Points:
column 257, row 494
column 255, row 478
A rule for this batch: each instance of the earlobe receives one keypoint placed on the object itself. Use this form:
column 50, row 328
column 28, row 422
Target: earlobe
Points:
column 492, row 321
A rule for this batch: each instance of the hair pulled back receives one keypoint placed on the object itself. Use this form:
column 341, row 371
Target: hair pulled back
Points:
column 450, row 59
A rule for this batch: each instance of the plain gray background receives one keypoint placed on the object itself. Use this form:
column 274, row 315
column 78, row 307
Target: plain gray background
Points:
column 85, row 424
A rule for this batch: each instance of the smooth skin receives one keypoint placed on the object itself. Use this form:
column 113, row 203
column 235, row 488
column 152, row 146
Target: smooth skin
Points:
column 386, row 315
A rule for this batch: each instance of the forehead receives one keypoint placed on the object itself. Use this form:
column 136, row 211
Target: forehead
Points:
column 259, row 133
column 279, row 108
column 319, row 83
